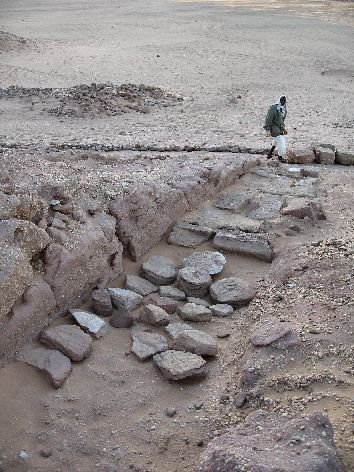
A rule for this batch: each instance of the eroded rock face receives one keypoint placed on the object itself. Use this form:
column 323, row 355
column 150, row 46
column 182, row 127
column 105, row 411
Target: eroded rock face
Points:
column 70, row 340
column 210, row 261
column 159, row 270
column 267, row 442
column 55, row 364
column 232, row 291
column 178, row 365
column 146, row 345
column 256, row 245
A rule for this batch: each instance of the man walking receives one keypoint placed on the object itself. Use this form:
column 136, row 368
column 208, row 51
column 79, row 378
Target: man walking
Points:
column 274, row 124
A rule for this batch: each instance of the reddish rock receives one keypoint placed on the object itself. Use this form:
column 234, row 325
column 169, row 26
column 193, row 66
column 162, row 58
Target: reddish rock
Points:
column 167, row 304
column 101, row 302
column 301, row 156
column 69, row 339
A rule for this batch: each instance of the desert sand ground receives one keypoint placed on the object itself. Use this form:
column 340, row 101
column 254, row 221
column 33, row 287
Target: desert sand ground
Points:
column 229, row 61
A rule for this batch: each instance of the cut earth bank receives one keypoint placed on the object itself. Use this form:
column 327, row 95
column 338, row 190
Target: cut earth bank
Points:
column 299, row 364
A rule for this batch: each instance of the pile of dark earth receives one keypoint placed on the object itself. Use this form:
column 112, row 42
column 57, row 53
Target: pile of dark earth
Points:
column 89, row 100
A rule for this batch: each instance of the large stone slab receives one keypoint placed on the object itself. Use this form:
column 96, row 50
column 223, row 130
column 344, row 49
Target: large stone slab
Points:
column 179, row 365
column 235, row 202
column 193, row 312
column 256, row 245
column 195, row 341
column 55, row 364
column 70, row 340
column 232, row 291
column 194, row 281
column 154, row 315
column 140, row 285
column 270, row 442
column 185, row 238
column 146, row 345
column 301, row 156
column 127, row 298
column 159, row 270
column 211, row 261
column 90, row 323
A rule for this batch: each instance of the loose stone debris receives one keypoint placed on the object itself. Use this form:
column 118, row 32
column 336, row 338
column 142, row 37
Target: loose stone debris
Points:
column 211, row 262
column 195, row 341
column 166, row 291
column 146, row 345
column 232, row 291
column 102, row 303
column 154, row 315
column 221, row 310
column 194, row 282
column 193, row 312
column 126, row 298
column 139, row 285
column 159, row 270
column 70, row 340
column 179, row 365
column 90, row 323
column 249, row 244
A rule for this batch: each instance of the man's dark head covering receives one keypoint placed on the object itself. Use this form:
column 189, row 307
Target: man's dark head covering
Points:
column 282, row 100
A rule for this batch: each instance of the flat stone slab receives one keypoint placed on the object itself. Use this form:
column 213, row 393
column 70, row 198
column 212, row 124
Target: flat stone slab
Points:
column 146, row 345
column 235, row 202
column 159, row 270
column 193, row 312
column 300, row 208
column 269, row 442
column 179, row 365
column 232, row 291
column 196, row 228
column 101, row 302
column 139, row 285
column 269, row 208
column 194, row 281
column 127, row 298
column 174, row 329
column 53, row 363
column 195, row 341
column 256, row 245
column 154, row 315
column 268, row 332
column 90, row 323
column 172, row 292
column 221, row 310
column 301, row 156
column 185, row 238
column 167, row 304
column 69, row 339
column 211, row 261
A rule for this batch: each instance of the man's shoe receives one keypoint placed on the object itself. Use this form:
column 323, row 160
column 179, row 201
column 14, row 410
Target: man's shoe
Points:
column 281, row 159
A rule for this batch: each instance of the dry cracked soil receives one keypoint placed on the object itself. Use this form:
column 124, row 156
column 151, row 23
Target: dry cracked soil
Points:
column 121, row 103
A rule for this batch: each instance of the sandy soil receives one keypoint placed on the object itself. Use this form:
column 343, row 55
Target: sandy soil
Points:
column 229, row 60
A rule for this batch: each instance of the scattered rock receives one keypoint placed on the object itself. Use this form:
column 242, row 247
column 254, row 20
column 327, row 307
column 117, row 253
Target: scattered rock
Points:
column 178, row 365
column 154, row 315
column 126, row 298
column 268, row 332
column 248, row 244
column 194, row 281
column 139, row 285
column 146, row 345
column 172, row 292
column 55, row 364
column 185, row 238
column 69, row 339
column 198, row 301
column 45, row 452
column 193, row 312
column 240, row 400
column 174, row 329
column 221, row 310
column 223, row 333
column 235, row 202
column 195, row 341
column 167, row 304
column 90, row 323
column 325, row 156
column 170, row 411
column 159, row 270
column 302, row 207
column 210, row 261
column 122, row 318
column 102, row 303
column 264, row 443
column 232, row 291
column 23, row 456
